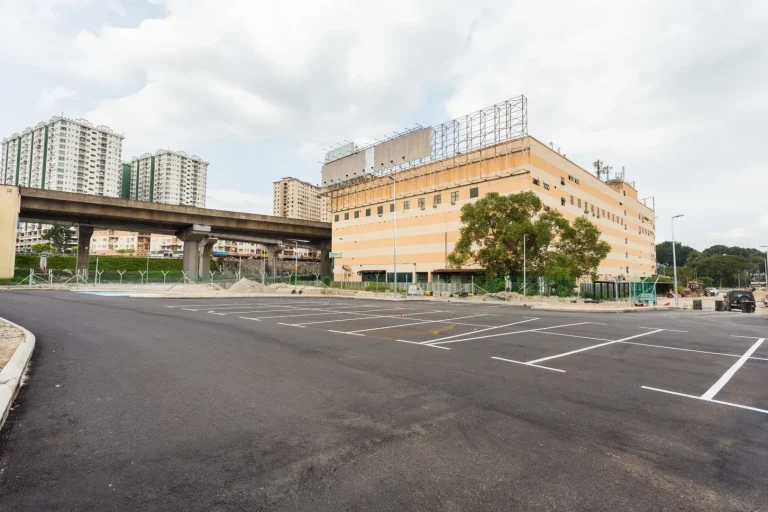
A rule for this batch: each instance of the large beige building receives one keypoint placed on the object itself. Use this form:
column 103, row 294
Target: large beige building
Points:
column 298, row 199
column 428, row 208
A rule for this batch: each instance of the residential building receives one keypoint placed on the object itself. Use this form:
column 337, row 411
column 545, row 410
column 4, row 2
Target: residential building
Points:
column 298, row 199
column 68, row 155
column 428, row 209
column 170, row 177
column 112, row 242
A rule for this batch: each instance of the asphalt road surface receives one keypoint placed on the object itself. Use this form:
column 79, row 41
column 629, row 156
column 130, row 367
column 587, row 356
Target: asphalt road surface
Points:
column 330, row 404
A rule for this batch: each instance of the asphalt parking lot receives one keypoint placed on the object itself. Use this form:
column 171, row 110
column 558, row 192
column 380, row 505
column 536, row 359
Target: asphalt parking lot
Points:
column 300, row 403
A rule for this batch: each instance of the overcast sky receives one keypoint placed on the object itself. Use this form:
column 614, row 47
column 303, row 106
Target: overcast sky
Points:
column 677, row 92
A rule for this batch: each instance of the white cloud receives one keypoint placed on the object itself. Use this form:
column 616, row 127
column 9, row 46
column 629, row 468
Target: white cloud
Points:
column 640, row 84
column 50, row 98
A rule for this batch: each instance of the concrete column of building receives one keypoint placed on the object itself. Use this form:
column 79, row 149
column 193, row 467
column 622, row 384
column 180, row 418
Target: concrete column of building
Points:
column 192, row 237
column 206, row 250
column 84, row 234
column 272, row 251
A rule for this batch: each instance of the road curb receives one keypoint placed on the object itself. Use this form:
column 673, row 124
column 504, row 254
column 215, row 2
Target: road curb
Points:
column 10, row 377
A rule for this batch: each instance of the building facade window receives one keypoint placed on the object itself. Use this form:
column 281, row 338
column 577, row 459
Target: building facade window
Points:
column 406, row 205
column 546, row 186
column 346, row 216
column 454, row 196
column 437, row 199
column 571, row 200
column 336, row 218
column 380, row 210
column 421, row 203
column 562, row 201
column 357, row 214
column 536, row 182
column 367, row 212
column 579, row 204
column 391, row 207
column 474, row 192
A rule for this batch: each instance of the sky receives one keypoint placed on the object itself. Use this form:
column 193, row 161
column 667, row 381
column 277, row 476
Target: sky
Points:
column 674, row 92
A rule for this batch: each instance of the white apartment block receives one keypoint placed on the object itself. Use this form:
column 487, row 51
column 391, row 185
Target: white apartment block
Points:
column 68, row 155
column 170, row 177
column 298, row 199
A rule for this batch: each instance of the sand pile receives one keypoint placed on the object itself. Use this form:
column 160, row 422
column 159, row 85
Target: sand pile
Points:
column 275, row 286
column 246, row 285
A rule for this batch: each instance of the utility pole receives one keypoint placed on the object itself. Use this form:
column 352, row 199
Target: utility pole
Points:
column 674, row 258
column 524, row 283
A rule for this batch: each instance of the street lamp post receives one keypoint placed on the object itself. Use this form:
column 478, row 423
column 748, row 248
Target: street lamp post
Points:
column 674, row 258
column 524, row 282
column 766, row 265
column 296, row 261
column 394, row 238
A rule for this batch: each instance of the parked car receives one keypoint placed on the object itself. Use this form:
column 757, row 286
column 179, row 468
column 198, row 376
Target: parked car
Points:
column 712, row 291
column 734, row 298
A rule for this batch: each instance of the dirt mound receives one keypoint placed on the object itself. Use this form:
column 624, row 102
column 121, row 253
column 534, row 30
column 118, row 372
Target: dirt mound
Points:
column 275, row 286
column 246, row 285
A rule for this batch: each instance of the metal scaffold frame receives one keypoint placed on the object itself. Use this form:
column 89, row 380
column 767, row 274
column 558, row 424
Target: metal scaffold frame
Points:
column 483, row 128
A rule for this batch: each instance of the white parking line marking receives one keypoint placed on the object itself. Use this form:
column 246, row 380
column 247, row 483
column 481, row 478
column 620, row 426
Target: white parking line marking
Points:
column 507, row 333
column 690, row 350
column 423, row 345
column 528, row 364
column 238, row 306
column 284, row 308
column 201, row 305
column 717, row 386
column 652, row 328
column 327, row 312
column 447, row 320
column 705, row 400
column 593, row 346
column 572, row 336
column 750, row 337
column 352, row 333
column 475, row 332
column 369, row 317
column 253, row 311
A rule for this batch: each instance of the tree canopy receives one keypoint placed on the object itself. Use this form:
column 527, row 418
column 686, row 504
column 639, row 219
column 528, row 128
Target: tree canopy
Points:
column 493, row 231
column 59, row 237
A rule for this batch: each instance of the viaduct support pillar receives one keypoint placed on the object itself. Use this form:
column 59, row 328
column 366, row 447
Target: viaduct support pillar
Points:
column 205, row 256
column 84, row 234
column 192, row 237
column 325, row 261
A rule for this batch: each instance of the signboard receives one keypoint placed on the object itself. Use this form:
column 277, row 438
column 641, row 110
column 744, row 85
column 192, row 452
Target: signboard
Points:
column 335, row 255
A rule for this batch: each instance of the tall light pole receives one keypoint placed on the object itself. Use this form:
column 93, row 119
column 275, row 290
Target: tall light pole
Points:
column 766, row 265
column 524, row 283
column 394, row 238
column 674, row 258
column 342, row 265
column 296, row 261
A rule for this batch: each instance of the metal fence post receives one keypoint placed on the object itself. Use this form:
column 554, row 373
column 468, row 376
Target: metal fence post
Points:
column 165, row 273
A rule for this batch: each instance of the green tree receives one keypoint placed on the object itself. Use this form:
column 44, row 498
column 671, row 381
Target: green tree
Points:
column 493, row 231
column 580, row 242
column 60, row 237
column 664, row 253
column 726, row 270
column 38, row 248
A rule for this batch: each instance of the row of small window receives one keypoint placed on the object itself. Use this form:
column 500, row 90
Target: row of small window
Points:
column 422, row 202
column 562, row 182
column 596, row 211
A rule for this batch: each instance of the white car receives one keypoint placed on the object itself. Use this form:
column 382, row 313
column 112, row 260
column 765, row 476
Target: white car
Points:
column 713, row 291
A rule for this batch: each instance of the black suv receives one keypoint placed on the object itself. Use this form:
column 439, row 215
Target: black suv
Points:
column 734, row 298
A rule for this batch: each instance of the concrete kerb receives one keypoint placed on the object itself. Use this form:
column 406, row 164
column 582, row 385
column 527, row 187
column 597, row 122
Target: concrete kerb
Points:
column 13, row 372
